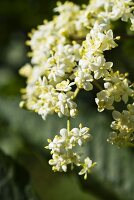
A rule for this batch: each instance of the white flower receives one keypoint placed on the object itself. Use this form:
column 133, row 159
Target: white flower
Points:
column 64, row 86
column 100, row 67
column 80, row 135
column 87, row 166
column 83, row 78
column 65, row 105
column 104, row 101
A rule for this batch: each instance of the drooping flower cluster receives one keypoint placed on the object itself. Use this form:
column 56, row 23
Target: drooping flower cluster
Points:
column 65, row 150
column 67, row 55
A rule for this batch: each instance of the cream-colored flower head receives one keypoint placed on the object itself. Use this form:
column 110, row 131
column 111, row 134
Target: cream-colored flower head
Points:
column 67, row 56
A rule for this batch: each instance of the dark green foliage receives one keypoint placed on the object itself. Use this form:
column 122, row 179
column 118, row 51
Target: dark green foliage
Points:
column 14, row 180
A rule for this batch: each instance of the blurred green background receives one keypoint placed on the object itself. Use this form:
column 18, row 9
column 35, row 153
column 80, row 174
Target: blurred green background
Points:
column 24, row 170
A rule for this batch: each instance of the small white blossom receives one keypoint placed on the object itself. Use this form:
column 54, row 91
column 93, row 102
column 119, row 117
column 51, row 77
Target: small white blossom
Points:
column 100, row 67
column 65, row 105
column 83, row 79
column 104, row 101
column 64, row 86
column 87, row 166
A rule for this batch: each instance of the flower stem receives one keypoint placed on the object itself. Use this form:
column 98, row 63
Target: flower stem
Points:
column 97, row 85
column 68, row 125
column 76, row 93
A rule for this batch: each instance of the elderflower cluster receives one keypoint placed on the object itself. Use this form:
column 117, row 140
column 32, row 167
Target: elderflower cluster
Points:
column 52, row 100
column 116, row 88
column 65, row 150
column 92, row 64
column 113, row 10
column 123, row 127
column 68, row 55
